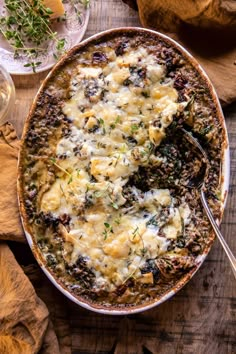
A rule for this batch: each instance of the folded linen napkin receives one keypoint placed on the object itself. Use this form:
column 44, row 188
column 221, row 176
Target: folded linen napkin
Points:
column 25, row 327
column 10, row 225
column 24, row 319
column 207, row 28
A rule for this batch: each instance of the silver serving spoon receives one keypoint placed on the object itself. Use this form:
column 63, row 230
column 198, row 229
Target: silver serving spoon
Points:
column 200, row 186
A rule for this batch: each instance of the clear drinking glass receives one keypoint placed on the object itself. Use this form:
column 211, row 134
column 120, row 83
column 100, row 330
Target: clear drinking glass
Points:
column 7, row 94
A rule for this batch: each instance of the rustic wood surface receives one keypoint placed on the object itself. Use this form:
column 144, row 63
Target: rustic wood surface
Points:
column 201, row 318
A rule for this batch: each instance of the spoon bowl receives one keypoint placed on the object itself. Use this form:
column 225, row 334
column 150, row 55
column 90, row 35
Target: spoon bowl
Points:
column 200, row 184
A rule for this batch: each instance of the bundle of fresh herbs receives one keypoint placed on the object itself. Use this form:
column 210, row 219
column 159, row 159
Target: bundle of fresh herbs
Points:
column 27, row 29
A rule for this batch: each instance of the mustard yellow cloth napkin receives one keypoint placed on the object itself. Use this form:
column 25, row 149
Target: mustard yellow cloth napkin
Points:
column 10, row 224
column 24, row 319
column 207, row 28
column 25, row 327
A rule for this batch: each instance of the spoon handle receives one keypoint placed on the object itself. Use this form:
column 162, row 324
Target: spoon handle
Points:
column 230, row 255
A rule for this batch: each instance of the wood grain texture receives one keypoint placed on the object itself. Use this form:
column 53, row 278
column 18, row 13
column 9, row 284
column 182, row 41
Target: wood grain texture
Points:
column 199, row 319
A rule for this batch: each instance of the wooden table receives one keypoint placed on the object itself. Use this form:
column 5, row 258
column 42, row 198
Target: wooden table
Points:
column 201, row 318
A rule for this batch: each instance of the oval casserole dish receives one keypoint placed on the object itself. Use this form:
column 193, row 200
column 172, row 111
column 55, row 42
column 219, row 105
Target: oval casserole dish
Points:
column 151, row 232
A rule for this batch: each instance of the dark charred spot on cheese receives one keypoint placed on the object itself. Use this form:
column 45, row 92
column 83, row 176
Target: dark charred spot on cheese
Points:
column 120, row 49
column 49, row 220
column 30, row 210
column 171, row 266
column 136, row 78
column 81, row 273
column 120, row 290
column 179, row 82
column 151, row 267
column 32, row 193
column 51, row 260
column 131, row 140
column 93, row 91
column 99, row 57
column 65, row 219
column 77, row 149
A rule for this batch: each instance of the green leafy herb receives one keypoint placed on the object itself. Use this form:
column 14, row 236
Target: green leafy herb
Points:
column 115, row 206
column 70, row 179
column 108, row 230
column 100, row 145
column 53, row 160
column 26, row 28
column 118, row 220
column 134, row 128
column 99, row 194
column 143, row 251
column 60, row 47
column 152, row 221
column 62, row 190
column 102, row 123
column 135, row 232
column 117, row 121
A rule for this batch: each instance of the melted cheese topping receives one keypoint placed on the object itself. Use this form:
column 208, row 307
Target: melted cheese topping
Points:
column 119, row 112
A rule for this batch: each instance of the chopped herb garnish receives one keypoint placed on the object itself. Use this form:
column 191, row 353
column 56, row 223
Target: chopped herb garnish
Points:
column 53, row 160
column 101, row 145
column 102, row 123
column 108, row 230
column 70, row 179
column 62, row 190
column 134, row 128
column 118, row 220
column 115, row 206
column 130, row 276
column 117, row 121
column 135, row 232
column 152, row 221
column 123, row 149
column 143, row 251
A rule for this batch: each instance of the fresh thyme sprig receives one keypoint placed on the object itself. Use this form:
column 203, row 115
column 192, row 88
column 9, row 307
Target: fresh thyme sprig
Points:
column 53, row 161
column 108, row 230
column 27, row 27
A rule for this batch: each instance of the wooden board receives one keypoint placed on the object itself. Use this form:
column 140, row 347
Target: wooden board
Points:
column 201, row 318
